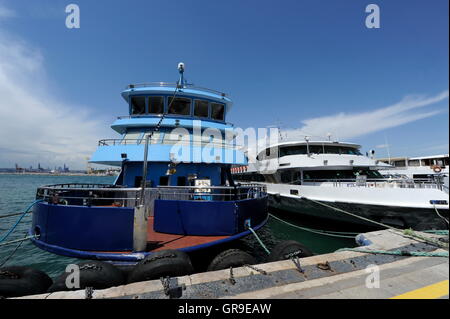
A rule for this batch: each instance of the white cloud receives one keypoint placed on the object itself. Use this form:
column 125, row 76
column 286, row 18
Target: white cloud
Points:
column 6, row 13
column 34, row 125
column 347, row 126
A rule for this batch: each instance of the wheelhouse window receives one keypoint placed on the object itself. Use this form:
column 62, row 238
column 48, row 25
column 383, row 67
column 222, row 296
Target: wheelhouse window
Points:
column 217, row 111
column 201, row 108
column 179, row 106
column 156, row 105
column 137, row 105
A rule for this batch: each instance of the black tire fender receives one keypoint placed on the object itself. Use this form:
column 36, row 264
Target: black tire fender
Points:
column 163, row 263
column 17, row 281
column 288, row 249
column 231, row 258
column 95, row 274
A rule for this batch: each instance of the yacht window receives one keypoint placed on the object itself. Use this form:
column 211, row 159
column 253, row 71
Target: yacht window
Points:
column 137, row 105
column 180, row 106
column 426, row 162
column 446, row 161
column 217, row 111
column 316, row 149
column 156, row 105
column 414, row 163
column 286, row 177
column 350, row 151
column 332, row 150
column 401, row 163
column 292, row 150
column 201, row 108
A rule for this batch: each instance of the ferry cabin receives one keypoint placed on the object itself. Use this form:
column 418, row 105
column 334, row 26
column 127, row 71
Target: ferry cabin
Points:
column 204, row 157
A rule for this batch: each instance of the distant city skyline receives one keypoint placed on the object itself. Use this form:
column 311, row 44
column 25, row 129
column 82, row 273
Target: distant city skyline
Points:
column 309, row 67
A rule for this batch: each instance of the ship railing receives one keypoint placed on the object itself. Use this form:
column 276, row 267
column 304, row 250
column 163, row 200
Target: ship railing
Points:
column 175, row 85
column 105, row 195
column 166, row 141
column 214, row 193
column 78, row 194
column 377, row 183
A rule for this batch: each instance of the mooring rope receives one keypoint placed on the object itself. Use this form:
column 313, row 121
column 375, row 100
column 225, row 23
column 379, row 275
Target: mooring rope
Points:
column 318, row 231
column 437, row 212
column 406, row 232
column 19, row 220
column 18, row 240
column 259, row 240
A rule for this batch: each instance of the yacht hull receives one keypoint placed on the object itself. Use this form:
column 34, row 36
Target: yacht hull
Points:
column 402, row 217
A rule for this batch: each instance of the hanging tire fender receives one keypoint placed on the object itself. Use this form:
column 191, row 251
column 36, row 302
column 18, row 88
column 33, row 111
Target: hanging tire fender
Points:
column 231, row 258
column 17, row 281
column 163, row 263
column 289, row 249
column 95, row 274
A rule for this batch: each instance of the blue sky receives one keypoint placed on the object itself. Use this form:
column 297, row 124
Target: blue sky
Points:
column 309, row 66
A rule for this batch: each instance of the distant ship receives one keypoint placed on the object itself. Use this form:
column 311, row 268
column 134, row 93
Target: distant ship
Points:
column 423, row 167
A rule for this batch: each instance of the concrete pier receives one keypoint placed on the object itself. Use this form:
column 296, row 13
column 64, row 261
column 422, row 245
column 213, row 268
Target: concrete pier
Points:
column 343, row 274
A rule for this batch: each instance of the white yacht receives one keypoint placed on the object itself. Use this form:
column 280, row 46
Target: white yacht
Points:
column 418, row 167
column 307, row 177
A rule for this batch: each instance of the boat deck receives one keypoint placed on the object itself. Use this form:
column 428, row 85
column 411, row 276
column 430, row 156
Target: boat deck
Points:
column 160, row 241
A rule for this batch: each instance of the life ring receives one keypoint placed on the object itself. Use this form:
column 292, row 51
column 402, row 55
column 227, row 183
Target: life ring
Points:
column 17, row 281
column 161, row 264
column 231, row 258
column 288, row 249
column 95, row 274
column 436, row 168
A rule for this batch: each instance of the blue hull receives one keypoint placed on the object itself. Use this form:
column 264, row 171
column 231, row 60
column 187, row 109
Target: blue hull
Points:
column 106, row 233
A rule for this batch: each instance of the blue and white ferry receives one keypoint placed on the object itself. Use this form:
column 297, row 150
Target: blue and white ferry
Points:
column 175, row 189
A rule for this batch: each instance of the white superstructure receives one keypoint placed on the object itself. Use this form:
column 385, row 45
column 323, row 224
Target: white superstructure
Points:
column 337, row 173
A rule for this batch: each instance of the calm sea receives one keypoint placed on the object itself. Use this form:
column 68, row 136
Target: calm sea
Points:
column 18, row 191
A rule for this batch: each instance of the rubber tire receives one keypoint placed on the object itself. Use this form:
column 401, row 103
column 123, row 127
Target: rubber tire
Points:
column 106, row 276
column 287, row 249
column 163, row 263
column 29, row 281
column 231, row 258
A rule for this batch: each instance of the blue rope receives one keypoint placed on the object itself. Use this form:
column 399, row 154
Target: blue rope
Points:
column 19, row 220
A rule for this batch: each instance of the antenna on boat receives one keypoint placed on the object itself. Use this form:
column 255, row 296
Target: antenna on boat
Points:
column 307, row 144
column 329, row 136
column 181, row 82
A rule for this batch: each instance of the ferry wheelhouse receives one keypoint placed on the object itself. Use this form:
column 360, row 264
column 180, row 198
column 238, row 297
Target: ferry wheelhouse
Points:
column 175, row 189
column 307, row 177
